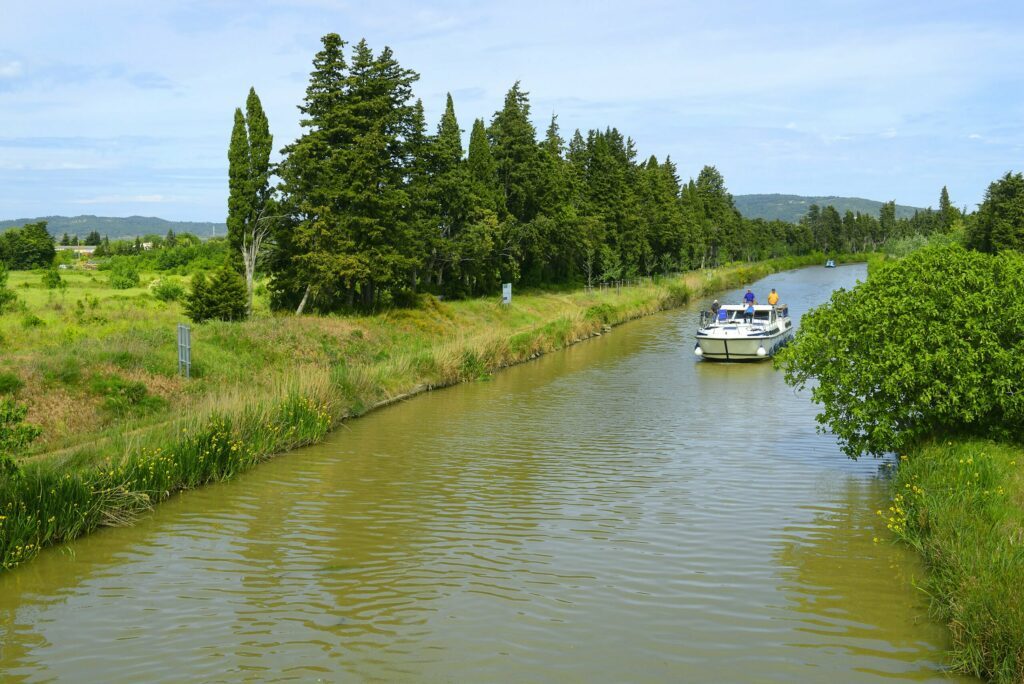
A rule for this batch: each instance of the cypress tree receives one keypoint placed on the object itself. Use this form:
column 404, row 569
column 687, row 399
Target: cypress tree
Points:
column 483, row 170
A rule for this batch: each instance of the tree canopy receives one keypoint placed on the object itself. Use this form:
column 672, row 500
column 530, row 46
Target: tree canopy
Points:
column 378, row 208
column 931, row 344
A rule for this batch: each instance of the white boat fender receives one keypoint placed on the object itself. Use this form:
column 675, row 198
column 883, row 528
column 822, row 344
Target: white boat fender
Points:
column 697, row 350
column 761, row 351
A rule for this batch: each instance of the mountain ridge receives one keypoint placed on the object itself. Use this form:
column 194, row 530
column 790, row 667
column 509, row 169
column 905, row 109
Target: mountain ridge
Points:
column 117, row 227
column 792, row 208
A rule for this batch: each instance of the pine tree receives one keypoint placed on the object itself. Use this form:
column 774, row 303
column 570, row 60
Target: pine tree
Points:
column 516, row 155
column 221, row 298
column 483, row 171
column 345, row 182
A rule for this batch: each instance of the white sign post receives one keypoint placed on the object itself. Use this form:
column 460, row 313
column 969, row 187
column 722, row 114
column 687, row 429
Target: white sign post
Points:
column 506, row 293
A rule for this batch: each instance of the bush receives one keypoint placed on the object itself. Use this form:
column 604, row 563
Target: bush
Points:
column 167, row 290
column 52, row 279
column 10, row 383
column 15, row 434
column 929, row 345
column 221, row 298
column 124, row 396
column 124, row 278
column 7, row 297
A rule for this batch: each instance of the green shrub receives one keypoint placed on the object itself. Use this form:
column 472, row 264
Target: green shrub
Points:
column 15, row 434
column 124, row 281
column 167, row 290
column 124, row 396
column 221, row 298
column 65, row 370
column 930, row 344
column 30, row 320
column 52, row 279
column 7, row 297
column 10, row 383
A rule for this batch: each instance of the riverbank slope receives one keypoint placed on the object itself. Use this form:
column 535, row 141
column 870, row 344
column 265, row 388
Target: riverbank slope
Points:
column 122, row 431
column 960, row 503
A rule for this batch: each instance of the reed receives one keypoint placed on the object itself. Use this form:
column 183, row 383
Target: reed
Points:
column 266, row 386
column 961, row 504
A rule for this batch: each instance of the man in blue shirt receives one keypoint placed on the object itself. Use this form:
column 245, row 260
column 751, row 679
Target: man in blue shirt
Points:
column 749, row 297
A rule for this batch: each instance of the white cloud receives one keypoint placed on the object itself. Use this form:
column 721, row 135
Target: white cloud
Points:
column 10, row 69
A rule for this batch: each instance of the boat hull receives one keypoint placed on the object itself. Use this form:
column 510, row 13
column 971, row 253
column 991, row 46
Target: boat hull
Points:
column 742, row 348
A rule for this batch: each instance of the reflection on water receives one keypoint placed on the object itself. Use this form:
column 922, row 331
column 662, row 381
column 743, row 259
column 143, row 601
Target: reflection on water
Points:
column 615, row 512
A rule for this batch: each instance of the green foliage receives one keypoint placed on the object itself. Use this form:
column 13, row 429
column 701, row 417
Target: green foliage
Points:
column 15, row 434
column 221, row 298
column 958, row 503
column 10, row 383
column 52, row 279
column 28, row 247
column 928, row 345
column 376, row 210
column 7, row 297
column 123, row 274
column 124, row 397
column 168, row 290
column 999, row 224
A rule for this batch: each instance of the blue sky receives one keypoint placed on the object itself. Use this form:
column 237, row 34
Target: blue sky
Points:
column 120, row 107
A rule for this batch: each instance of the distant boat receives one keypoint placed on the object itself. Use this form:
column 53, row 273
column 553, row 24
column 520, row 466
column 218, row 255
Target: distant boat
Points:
column 830, row 264
column 739, row 337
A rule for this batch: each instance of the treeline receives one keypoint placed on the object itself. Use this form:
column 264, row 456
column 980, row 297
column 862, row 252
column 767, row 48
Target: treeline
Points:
column 371, row 207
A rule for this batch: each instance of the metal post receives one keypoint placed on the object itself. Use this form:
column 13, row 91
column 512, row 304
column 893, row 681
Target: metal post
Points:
column 184, row 350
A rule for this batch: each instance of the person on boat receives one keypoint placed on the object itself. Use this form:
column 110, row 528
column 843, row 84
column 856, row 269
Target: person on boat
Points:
column 773, row 298
column 748, row 313
column 749, row 297
column 715, row 308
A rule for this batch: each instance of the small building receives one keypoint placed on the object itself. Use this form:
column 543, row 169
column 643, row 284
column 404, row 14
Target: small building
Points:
column 80, row 250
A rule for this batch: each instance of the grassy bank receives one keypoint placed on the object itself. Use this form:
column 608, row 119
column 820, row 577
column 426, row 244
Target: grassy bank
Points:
column 961, row 504
column 122, row 431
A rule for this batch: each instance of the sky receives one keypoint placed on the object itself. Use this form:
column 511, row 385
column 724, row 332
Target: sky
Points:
column 121, row 107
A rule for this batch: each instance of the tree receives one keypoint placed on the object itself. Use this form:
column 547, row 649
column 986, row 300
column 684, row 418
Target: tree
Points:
column 223, row 297
column 919, row 350
column 947, row 212
column 345, row 182
column 248, row 221
column 93, row 238
column 999, row 223
column 516, row 155
column 28, row 247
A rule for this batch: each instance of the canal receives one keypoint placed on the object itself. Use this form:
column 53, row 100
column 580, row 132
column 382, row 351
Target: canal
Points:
column 615, row 512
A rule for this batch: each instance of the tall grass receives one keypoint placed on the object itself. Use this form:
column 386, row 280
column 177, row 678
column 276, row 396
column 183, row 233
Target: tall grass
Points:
column 270, row 385
column 961, row 504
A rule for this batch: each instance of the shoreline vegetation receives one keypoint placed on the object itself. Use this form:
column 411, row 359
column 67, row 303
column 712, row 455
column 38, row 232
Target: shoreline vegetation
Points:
column 267, row 386
column 924, row 360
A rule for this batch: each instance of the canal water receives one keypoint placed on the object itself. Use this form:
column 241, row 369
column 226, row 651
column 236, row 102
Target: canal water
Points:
column 615, row 512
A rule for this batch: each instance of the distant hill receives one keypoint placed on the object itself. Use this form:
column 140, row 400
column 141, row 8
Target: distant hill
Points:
column 793, row 207
column 116, row 228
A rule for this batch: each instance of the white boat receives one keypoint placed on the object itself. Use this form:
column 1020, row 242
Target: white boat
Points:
column 830, row 263
column 740, row 337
